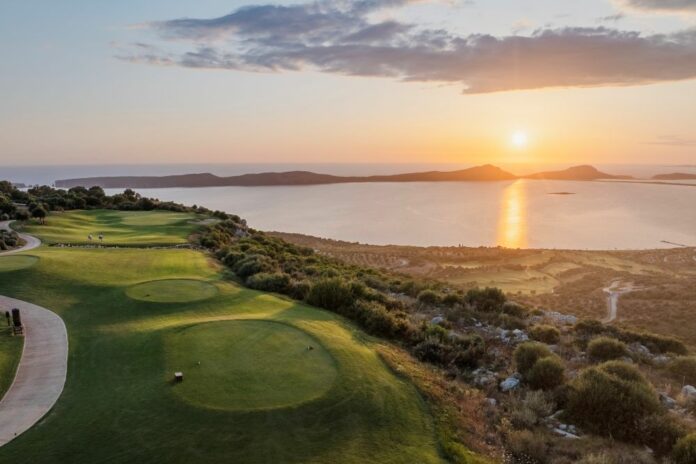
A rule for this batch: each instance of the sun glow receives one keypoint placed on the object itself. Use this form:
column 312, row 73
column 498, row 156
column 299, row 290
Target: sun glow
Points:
column 520, row 139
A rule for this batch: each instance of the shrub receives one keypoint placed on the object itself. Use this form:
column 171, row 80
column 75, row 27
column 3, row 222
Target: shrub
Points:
column 589, row 327
column 611, row 400
column 545, row 333
column 683, row 369
column 433, row 351
column 527, row 354
column 299, row 289
column 332, row 294
column 528, row 412
column 270, row 282
column 546, row 374
column 526, row 446
column 486, row 300
column 660, row 432
column 508, row 322
column 428, row 297
column 605, row 349
column 514, row 309
column 468, row 351
column 685, row 450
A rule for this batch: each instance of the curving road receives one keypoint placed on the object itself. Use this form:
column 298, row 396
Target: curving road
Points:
column 43, row 368
column 30, row 242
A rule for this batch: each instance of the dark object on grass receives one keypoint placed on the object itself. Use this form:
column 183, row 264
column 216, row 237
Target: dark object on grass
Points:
column 17, row 328
column 179, row 376
column 9, row 318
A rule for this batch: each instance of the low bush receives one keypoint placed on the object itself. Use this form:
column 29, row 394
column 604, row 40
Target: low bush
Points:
column 545, row 333
column 332, row 294
column 612, row 399
column 602, row 349
column 683, row 369
column 525, row 446
column 528, row 412
column 685, row 450
column 515, row 309
column 527, row 354
column 546, row 374
column 269, row 282
column 486, row 300
column 428, row 297
column 660, row 432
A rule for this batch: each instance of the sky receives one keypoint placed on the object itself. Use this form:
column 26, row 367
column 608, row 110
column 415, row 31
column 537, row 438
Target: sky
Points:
column 384, row 81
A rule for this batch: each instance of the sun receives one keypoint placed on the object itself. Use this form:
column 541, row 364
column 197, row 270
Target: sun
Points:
column 520, row 139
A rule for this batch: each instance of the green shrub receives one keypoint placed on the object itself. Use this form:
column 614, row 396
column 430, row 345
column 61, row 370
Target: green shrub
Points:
column 528, row 412
column 685, row 450
column 611, row 400
column 545, row 333
column 527, row 354
column 486, row 300
column 508, row 322
column 270, row 282
column 660, row 432
column 332, row 294
column 683, row 369
column 514, row 309
column 527, row 447
column 605, row 349
column 428, row 297
column 547, row 373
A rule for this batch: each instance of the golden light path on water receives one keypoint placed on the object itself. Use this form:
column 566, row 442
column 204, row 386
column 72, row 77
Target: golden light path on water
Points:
column 512, row 223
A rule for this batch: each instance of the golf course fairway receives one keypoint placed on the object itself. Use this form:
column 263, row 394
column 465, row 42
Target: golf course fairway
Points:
column 278, row 381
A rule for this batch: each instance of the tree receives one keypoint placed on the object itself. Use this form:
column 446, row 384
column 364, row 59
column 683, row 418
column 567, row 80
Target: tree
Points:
column 39, row 213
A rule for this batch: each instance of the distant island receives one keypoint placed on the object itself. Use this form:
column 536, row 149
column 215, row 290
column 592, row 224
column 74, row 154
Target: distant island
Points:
column 485, row 173
column 675, row 176
column 584, row 172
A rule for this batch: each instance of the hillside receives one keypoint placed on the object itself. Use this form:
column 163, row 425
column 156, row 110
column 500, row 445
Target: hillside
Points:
column 675, row 176
column 584, row 172
column 478, row 173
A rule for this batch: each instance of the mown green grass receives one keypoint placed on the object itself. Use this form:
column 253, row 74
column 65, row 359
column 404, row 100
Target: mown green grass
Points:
column 16, row 262
column 10, row 354
column 123, row 228
column 120, row 406
column 247, row 365
column 172, row 291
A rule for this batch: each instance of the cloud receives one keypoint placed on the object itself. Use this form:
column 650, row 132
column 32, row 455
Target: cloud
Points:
column 673, row 6
column 673, row 141
column 336, row 36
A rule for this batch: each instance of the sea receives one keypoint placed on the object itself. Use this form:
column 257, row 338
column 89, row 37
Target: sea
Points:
column 599, row 215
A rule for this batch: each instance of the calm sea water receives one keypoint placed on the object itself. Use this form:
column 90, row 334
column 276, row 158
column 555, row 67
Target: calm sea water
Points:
column 522, row 213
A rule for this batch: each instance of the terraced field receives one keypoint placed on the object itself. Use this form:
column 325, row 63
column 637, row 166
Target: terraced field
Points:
column 266, row 379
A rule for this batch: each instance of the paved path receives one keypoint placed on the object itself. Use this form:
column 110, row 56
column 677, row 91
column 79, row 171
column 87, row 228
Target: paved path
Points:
column 30, row 241
column 41, row 372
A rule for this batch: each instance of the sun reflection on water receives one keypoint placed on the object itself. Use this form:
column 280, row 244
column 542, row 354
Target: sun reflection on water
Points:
column 512, row 223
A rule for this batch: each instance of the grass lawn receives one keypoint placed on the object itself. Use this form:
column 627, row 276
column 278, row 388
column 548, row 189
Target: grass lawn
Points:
column 121, row 228
column 258, row 396
column 247, row 365
column 172, row 291
column 10, row 353
column 16, row 262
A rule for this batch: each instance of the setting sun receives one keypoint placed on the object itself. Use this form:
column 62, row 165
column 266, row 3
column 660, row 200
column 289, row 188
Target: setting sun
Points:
column 520, row 139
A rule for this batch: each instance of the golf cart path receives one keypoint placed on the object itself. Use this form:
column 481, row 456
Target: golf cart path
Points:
column 30, row 242
column 41, row 373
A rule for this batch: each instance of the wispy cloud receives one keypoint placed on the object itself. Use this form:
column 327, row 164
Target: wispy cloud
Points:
column 337, row 36
column 669, row 6
column 673, row 141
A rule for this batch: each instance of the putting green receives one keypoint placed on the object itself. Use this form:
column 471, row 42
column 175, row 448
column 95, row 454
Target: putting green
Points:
column 15, row 263
column 247, row 365
column 172, row 291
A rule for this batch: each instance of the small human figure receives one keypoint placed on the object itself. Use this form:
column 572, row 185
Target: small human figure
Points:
column 89, row 237
column 101, row 237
